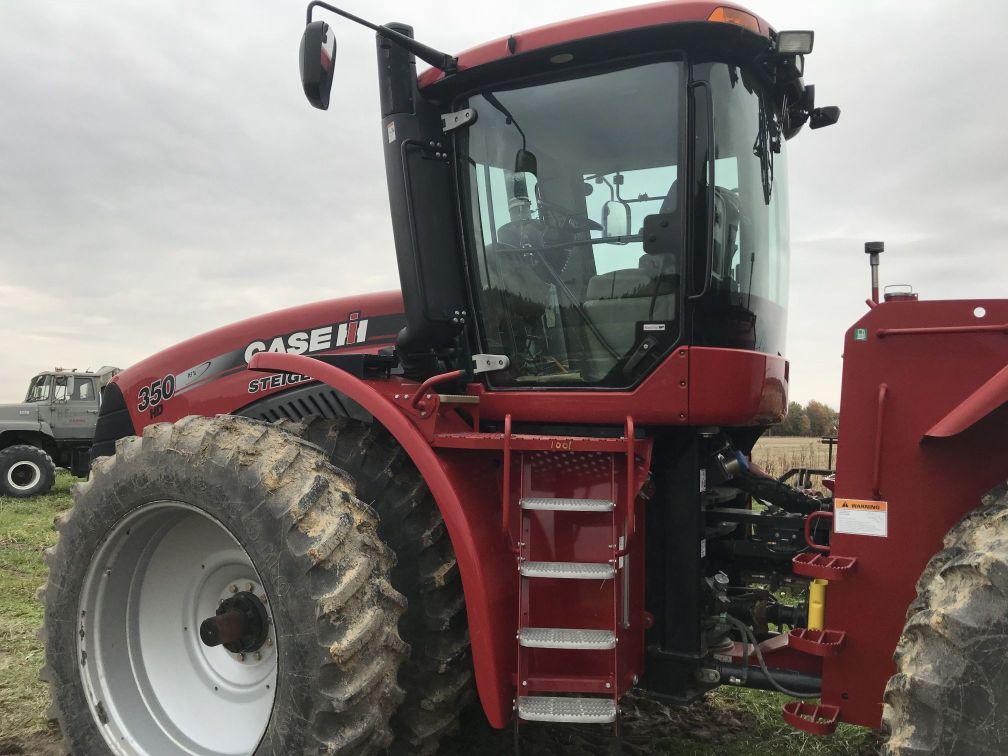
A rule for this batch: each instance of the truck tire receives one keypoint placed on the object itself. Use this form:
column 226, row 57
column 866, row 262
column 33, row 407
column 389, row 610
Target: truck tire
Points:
column 438, row 676
column 949, row 695
column 26, row 471
column 170, row 532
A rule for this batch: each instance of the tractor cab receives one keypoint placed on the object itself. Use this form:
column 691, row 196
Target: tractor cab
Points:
column 583, row 201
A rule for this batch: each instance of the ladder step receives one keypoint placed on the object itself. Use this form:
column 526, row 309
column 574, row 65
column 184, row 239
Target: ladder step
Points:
column 570, row 710
column 557, row 637
column 568, row 570
column 568, row 505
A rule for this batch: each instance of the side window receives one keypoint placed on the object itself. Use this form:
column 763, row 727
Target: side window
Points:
column 728, row 229
column 60, row 388
column 83, row 390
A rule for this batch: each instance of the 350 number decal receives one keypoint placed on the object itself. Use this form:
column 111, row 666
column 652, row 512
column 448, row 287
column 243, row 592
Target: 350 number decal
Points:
column 159, row 391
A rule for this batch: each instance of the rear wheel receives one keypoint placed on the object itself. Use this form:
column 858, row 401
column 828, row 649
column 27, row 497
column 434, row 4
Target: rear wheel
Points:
column 26, row 471
column 438, row 676
column 949, row 694
column 217, row 588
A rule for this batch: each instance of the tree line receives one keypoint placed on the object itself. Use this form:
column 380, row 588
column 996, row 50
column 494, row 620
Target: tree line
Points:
column 814, row 419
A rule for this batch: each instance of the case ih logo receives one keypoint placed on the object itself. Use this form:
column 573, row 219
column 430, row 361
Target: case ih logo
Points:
column 353, row 331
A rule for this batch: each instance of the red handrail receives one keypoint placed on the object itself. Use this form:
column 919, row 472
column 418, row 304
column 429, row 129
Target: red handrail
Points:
column 883, row 332
column 507, row 474
column 433, row 381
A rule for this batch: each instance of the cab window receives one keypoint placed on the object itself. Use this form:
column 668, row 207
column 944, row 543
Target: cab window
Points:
column 61, row 389
column 40, row 389
column 83, row 390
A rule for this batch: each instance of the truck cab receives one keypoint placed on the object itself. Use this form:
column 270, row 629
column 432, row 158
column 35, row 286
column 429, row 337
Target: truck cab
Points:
column 52, row 427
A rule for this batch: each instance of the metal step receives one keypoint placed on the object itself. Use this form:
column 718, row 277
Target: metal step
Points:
column 567, row 505
column 458, row 399
column 566, row 638
column 567, row 570
column 569, row 710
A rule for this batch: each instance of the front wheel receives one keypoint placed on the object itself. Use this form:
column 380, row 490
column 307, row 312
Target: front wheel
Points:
column 26, row 471
column 949, row 695
column 217, row 588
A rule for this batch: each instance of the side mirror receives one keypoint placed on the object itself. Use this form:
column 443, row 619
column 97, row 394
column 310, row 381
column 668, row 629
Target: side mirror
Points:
column 824, row 117
column 525, row 162
column 318, row 47
column 615, row 218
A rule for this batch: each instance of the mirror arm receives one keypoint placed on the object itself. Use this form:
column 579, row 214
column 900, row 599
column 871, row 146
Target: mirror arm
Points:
column 438, row 59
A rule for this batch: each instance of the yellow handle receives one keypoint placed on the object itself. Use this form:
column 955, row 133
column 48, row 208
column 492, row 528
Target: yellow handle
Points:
column 817, row 604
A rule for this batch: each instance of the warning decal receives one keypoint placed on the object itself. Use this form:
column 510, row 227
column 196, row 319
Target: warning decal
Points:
column 861, row 517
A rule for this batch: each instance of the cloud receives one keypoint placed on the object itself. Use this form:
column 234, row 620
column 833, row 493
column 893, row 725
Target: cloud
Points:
column 163, row 175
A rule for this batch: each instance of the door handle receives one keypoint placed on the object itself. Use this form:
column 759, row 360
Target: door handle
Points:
column 92, row 412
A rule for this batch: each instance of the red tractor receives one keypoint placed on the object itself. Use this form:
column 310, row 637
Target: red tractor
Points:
column 527, row 476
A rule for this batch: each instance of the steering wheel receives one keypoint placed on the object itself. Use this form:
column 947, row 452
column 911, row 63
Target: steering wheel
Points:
column 535, row 248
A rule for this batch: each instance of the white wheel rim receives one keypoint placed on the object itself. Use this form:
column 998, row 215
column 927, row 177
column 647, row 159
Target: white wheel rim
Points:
column 163, row 569
column 23, row 475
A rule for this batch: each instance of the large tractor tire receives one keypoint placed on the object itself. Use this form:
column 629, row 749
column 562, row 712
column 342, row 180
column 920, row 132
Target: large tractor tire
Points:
column 950, row 692
column 438, row 676
column 218, row 588
column 26, row 471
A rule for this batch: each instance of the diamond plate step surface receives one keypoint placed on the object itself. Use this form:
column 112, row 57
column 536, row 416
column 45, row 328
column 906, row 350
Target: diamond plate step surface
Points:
column 567, row 505
column 567, row 570
column 567, row 638
column 569, row 710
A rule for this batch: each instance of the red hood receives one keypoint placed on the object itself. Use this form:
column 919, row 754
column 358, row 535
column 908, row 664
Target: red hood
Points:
column 208, row 374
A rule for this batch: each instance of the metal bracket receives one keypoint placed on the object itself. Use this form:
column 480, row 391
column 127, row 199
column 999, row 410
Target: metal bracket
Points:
column 488, row 363
column 458, row 119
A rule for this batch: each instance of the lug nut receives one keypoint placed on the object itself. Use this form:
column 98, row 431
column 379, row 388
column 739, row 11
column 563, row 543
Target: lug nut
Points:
column 258, row 656
column 241, row 657
column 233, row 588
column 248, row 587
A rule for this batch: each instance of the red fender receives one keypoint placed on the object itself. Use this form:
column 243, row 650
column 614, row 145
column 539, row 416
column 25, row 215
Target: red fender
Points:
column 484, row 559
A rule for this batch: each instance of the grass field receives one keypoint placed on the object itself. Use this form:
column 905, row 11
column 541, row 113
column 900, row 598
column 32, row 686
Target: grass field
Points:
column 729, row 721
column 777, row 454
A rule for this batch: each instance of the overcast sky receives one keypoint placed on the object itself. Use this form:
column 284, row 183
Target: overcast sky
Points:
column 162, row 174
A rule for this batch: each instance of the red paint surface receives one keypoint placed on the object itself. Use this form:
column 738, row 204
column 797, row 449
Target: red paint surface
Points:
column 929, row 484
column 622, row 19
column 694, row 386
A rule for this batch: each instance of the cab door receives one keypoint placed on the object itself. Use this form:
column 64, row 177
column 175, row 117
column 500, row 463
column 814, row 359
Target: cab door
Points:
column 75, row 407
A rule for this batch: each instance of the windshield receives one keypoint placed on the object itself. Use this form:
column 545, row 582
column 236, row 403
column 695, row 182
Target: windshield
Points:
column 39, row 388
column 561, row 177
column 746, row 306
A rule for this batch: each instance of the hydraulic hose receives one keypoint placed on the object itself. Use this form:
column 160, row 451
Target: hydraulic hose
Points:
column 748, row 634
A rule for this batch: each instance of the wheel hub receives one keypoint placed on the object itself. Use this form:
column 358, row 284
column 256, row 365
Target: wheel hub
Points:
column 240, row 624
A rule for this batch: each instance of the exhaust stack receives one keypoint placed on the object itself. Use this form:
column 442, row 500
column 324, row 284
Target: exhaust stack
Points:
column 874, row 249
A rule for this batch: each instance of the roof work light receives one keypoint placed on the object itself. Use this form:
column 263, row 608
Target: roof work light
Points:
column 795, row 42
